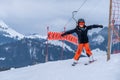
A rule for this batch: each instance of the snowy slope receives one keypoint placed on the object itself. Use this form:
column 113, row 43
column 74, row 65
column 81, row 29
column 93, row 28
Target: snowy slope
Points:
column 62, row 70
column 9, row 32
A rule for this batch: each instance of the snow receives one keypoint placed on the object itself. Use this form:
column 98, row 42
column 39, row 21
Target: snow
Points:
column 98, row 52
column 59, row 43
column 62, row 70
column 35, row 36
column 98, row 39
column 2, row 58
column 95, row 30
column 9, row 31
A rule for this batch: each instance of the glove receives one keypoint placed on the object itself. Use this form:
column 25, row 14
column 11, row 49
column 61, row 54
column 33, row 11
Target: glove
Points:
column 101, row 26
column 62, row 35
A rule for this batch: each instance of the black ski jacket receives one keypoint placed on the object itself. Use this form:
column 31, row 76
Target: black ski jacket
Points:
column 82, row 32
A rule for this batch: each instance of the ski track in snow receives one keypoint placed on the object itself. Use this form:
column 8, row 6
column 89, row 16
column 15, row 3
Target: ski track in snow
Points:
column 62, row 70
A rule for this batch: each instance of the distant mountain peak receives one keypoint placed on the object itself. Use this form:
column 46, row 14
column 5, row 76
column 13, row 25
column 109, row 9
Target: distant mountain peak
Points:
column 3, row 25
column 9, row 32
column 36, row 35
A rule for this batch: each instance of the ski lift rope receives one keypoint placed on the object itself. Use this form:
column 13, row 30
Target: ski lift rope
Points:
column 73, row 13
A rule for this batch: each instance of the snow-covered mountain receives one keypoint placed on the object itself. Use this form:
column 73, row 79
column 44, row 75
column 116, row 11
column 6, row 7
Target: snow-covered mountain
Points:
column 31, row 51
column 36, row 36
column 18, row 50
column 15, row 47
column 9, row 32
column 62, row 70
column 100, row 39
column 55, row 42
column 59, row 43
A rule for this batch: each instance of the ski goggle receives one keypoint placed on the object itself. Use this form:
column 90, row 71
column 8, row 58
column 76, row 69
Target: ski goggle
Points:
column 81, row 23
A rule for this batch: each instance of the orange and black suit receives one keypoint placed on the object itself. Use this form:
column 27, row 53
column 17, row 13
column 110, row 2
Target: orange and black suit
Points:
column 82, row 39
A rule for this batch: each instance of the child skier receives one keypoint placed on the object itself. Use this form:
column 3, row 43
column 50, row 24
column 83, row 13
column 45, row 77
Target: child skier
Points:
column 81, row 30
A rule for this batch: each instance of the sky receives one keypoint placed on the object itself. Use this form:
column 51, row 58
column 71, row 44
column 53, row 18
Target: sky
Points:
column 33, row 16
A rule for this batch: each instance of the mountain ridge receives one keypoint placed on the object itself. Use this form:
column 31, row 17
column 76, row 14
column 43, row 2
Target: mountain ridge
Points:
column 31, row 49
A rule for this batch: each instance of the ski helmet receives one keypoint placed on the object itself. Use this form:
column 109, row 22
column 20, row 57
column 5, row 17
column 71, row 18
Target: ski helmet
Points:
column 81, row 20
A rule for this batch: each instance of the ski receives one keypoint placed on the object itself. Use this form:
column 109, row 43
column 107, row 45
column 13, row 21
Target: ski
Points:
column 90, row 62
column 74, row 63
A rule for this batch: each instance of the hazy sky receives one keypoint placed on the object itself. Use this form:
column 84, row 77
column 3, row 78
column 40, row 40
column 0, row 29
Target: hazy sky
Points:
column 32, row 16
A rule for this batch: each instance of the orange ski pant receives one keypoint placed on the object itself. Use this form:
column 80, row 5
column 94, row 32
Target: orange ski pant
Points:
column 80, row 48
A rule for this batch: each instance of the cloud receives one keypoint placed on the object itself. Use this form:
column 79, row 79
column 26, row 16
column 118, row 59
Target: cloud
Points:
column 29, row 16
